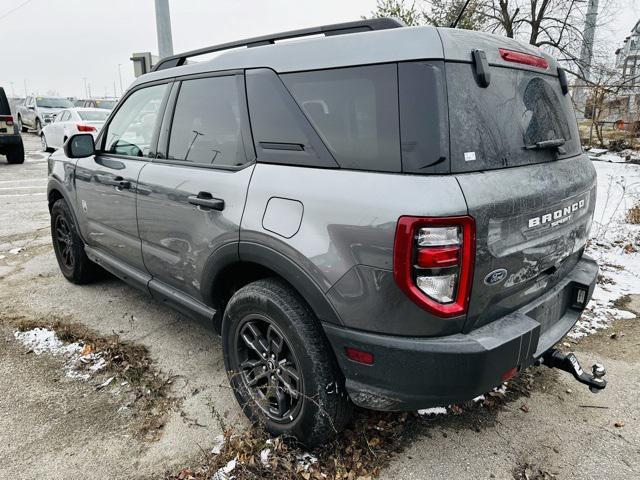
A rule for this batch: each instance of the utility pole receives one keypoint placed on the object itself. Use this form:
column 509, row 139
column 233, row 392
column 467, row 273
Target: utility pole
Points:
column 586, row 57
column 120, row 77
column 13, row 91
column 163, row 28
column 25, row 88
column 89, row 90
column 84, row 79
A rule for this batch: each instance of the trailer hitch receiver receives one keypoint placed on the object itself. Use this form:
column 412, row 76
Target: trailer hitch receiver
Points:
column 568, row 362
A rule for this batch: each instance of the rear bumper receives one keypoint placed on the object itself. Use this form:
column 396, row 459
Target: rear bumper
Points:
column 411, row 373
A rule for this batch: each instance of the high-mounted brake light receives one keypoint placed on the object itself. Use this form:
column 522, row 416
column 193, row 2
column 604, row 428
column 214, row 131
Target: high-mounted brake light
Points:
column 86, row 128
column 433, row 262
column 8, row 119
column 523, row 58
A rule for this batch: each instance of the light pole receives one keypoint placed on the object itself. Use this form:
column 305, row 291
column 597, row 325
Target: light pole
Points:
column 13, row 91
column 84, row 79
column 163, row 28
column 120, row 77
column 25, row 88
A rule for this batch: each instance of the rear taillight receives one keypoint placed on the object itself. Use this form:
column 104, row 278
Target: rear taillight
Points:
column 86, row 128
column 433, row 262
column 523, row 58
column 8, row 119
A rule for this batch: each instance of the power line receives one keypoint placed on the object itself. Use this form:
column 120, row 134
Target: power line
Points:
column 15, row 9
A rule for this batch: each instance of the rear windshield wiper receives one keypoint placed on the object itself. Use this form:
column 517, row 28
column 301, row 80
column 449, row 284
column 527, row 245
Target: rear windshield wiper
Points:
column 547, row 144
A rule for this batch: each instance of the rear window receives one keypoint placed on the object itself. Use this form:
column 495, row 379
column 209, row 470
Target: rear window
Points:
column 94, row 116
column 4, row 103
column 499, row 126
column 107, row 104
column 355, row 112
column 51, row 102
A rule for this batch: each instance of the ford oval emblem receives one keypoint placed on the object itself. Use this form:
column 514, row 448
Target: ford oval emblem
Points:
column 496, row 276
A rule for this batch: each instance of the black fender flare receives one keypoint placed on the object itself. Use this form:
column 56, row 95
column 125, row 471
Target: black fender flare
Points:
column 283, row 266
column 55, row 184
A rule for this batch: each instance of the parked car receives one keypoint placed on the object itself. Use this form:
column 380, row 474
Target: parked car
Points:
column 69, row 122
column 105, row 103
column 39, row 111
column 366, row 228
column 10, row 139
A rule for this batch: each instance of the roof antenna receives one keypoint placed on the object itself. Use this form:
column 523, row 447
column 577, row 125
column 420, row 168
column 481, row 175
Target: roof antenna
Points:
column 454, row 24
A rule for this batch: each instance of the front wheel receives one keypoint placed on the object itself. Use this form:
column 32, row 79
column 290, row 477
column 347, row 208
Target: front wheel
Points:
column 44, row 144
column 21, row 125
column 280, row 365
column 38, row 127
column 69, row 247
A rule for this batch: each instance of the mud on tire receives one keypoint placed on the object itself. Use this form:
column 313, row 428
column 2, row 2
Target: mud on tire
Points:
column 276, row 310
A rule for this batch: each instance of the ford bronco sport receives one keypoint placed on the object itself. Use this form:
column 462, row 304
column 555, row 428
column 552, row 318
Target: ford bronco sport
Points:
column 383, row 216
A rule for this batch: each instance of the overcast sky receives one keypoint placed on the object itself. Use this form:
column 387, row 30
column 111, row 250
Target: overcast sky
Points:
column 54, row 44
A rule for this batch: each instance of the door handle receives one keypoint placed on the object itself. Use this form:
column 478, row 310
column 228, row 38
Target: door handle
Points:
column 206, row 201
column 121, row 184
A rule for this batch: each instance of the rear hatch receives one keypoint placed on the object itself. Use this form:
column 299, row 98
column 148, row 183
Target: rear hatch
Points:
column 516, row 154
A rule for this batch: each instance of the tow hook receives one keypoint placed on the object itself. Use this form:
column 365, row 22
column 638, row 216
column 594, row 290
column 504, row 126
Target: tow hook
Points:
column 554, row 358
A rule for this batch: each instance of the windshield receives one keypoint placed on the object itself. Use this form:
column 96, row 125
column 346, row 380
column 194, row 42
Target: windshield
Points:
column 93, row 116
column 49, row 102
column 107, row 104
column 521, row 118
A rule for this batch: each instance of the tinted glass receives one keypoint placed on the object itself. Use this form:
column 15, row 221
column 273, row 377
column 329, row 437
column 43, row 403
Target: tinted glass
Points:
column 52, row 102
column 207, row 126
column 355, row 112
column 94, row 116
column 492, row 127
column 424, row 124
column 107, row 104
column 4, row 103
column 132, row 128
column 281, row 132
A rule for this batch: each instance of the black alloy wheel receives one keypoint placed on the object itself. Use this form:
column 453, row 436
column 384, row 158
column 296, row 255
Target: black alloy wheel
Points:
column 268, row 367
column 64, row 240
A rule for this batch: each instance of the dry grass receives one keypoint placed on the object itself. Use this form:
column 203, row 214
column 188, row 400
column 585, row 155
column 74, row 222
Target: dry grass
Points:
column 633, row 215
column 129, row 363
column 360, row 452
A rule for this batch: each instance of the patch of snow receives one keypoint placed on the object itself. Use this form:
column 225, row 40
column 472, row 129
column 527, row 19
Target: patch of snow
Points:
column 479, row 398
column 305, row 460
column 45, row 341
column 230, row 467
column 433, row 411
column 264, row 456
column 614, row 244
column 15, row 251
column 217, row 444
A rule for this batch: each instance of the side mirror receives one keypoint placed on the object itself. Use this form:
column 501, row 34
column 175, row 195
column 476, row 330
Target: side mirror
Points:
column 31, row 107
column 79, row 146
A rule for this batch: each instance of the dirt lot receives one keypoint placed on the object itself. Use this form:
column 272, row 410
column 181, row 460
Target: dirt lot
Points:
column 56, row 427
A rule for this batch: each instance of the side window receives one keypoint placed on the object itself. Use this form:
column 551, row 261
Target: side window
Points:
column 355, row 112
column 281, row 132
column 131, row 130
column 207, row 123
column 62, row 116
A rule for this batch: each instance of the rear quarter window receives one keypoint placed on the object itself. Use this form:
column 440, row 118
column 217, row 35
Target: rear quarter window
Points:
column 355, row 112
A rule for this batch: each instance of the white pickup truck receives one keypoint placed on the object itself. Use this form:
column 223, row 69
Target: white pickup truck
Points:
column 36, row 112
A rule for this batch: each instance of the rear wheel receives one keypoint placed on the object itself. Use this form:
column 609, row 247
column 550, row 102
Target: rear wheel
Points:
column 68, row 246
column 280, row 365
column 15, row 154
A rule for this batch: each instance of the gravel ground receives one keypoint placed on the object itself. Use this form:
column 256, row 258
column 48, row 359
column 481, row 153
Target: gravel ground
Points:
column 53, row 427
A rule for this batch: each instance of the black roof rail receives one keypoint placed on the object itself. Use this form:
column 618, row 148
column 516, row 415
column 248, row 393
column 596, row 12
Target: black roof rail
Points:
column 328, row 30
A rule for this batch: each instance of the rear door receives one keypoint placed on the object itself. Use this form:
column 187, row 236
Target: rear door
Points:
column 191, row 198
column 516, row 153
column 106, row 183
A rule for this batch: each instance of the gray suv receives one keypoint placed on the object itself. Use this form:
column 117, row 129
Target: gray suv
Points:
column 383, row 216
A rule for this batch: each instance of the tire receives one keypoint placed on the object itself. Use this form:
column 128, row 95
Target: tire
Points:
column 272, row 309
column 44, row 144
column 38, row 127
column 15, row 155
column 22, row 127
column 72, row 260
